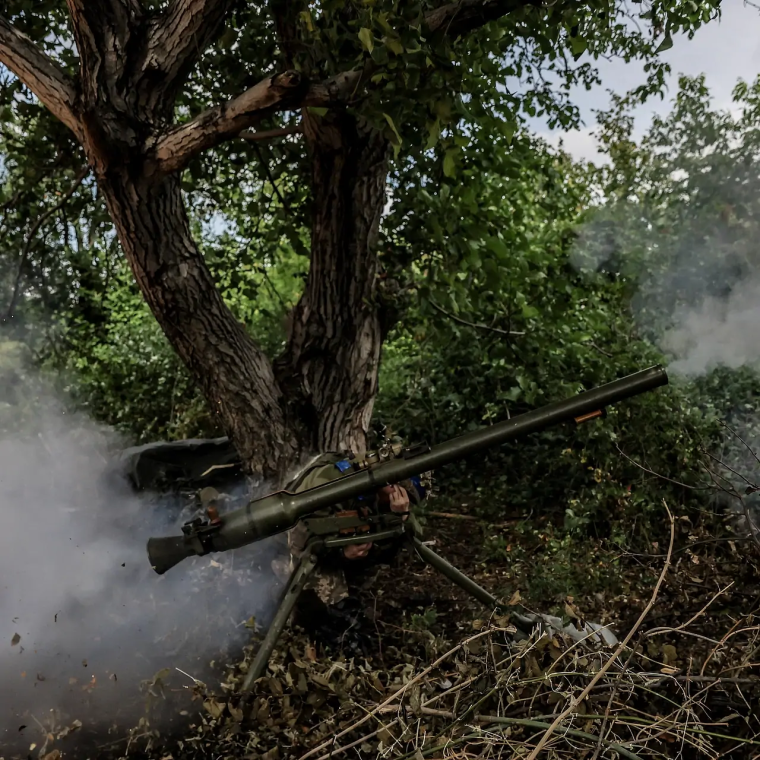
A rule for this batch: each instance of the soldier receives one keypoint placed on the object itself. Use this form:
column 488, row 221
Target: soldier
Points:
column 328, row 605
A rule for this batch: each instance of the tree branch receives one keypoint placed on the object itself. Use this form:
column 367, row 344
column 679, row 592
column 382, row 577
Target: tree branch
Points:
column 177, row 147
column 477, row 325
column 269, row 134
column 174, row 149
column 464, row 16
column 40, row 74
column 181, row 34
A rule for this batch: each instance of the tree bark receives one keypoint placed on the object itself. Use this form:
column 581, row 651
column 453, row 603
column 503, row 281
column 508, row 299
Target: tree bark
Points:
column 234, row 375
column 329, row 370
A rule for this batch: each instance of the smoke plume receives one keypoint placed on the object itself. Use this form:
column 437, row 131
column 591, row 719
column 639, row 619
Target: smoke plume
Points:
column 697, row 296
column 83, row 618
column 716, row 332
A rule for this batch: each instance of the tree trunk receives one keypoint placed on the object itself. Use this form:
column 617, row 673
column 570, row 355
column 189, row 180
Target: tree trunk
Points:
column 320, row 393
column 233, row 374
column 329, row 369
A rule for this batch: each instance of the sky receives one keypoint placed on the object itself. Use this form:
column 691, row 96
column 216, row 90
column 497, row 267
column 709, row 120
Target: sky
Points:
column 725, row 50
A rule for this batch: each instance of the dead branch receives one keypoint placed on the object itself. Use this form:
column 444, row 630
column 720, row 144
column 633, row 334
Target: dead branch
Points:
column 658, row 475
column 33, row 231
column 451, row 516
column 476, row 325
column 657, row 631
column 495, row 720
column 400, row 693
column 269, row 134
column 741, row 440
column 576, row 700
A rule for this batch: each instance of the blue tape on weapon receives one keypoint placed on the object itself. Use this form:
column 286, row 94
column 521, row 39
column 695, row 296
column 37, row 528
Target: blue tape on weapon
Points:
column 417, row 483
column 343, row 465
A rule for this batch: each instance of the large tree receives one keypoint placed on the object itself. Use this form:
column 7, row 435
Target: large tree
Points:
column 357, row 84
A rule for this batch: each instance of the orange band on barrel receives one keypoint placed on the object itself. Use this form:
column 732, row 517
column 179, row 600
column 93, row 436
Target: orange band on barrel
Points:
column 589, row 416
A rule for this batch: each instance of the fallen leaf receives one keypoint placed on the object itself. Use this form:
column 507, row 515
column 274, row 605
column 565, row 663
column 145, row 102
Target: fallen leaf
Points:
column 15, row 640
column 213, row 708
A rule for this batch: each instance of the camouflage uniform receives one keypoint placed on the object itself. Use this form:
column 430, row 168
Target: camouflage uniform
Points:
column 329, row 581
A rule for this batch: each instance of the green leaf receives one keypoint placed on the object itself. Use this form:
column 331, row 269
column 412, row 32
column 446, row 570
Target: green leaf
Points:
column 434, row 132
column 578, row 45
column 382, row 20
column 393, row 127
column 442, row 109
column 496, row 245
column 228, row 38
column 317, row 111
column 366, row 38
column 449, row 165
column 666, row 44
column 305, row 17
column 393, row 45
column 508, row 129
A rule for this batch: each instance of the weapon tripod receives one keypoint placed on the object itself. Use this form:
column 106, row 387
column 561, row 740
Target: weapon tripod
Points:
column 325, row 536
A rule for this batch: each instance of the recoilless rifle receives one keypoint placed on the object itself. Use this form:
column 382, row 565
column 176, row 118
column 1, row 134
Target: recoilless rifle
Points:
column 278, row 512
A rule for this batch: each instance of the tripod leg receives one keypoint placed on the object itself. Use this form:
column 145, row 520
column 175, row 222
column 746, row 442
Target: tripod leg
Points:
column 296, row 583
column 453, row 574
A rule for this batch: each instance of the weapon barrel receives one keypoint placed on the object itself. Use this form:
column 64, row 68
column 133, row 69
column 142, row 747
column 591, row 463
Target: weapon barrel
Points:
column 273, row 514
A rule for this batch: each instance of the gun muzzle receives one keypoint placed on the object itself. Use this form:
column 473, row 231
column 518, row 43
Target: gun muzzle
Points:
column 165, row 553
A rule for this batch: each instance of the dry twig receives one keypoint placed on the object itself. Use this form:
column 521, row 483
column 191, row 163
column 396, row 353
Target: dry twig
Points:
column 575, row 701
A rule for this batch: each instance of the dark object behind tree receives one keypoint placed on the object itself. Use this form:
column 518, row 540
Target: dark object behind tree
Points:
column 182, row 465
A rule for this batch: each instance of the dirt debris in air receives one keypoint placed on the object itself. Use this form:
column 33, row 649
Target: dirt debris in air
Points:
column 423, row 673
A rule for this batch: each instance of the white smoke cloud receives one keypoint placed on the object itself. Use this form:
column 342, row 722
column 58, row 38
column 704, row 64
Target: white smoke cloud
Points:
column 698, row 299
column 83, row 618
column 717, row 332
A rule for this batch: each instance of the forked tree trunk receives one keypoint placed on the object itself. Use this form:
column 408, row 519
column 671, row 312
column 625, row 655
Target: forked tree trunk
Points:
column 329, row 370
column 319, row 395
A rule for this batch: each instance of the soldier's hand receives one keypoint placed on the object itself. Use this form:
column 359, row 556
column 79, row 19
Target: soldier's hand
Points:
column 396, row 497
column 357, row 551
column 398, row 500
